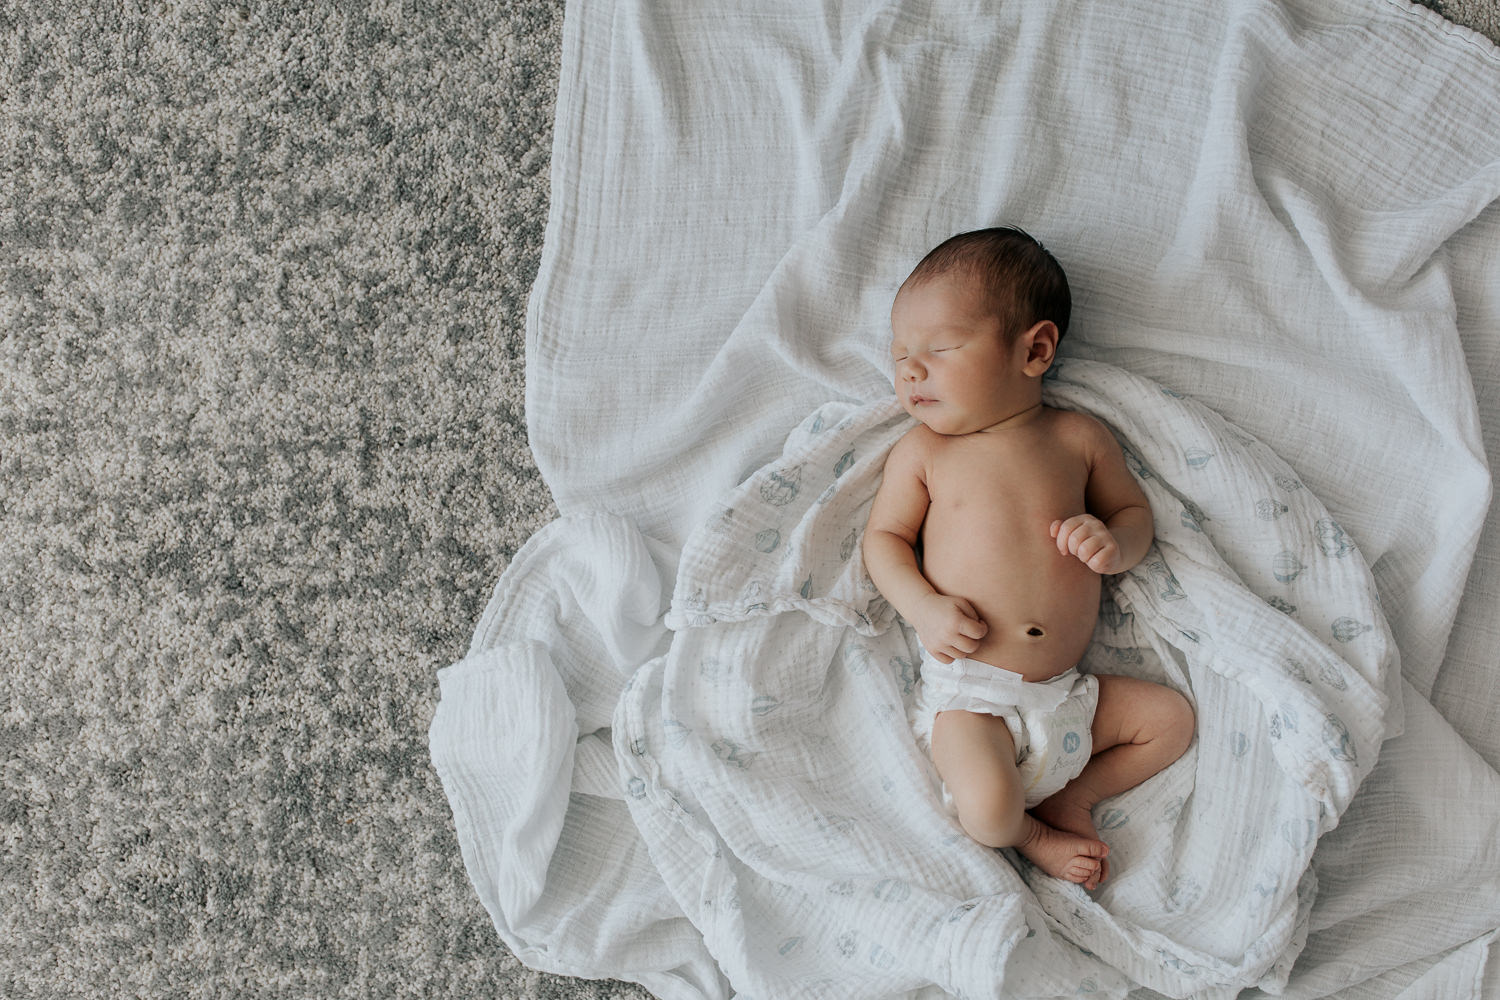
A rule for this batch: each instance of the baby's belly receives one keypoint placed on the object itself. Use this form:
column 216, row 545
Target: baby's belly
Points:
column 1040, row 605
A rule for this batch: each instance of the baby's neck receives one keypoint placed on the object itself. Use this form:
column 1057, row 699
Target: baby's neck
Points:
column 1016, row 420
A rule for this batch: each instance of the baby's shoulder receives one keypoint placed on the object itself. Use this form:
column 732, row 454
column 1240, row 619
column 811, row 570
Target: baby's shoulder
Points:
column 914, row 447
column 1081, row 428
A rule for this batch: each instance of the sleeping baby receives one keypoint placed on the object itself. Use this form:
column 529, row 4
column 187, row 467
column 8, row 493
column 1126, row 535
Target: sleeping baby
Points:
column 1017, row 509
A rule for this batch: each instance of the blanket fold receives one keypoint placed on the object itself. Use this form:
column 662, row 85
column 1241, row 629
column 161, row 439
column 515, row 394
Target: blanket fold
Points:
column 521, row 741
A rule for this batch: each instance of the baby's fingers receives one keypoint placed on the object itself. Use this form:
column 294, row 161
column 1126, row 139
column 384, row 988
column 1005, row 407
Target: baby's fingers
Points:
column 1092, row 546
column 966, row 630
column 1071, row 533
column 1106, row 560
column 970, row 624
column 965, row 640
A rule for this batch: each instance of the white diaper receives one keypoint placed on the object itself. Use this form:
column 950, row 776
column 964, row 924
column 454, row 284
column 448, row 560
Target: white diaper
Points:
column 1049, row 720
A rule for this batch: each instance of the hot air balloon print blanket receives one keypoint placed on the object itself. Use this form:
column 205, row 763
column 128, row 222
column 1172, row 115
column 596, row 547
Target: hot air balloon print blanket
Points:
column 759, row 745
column 771, row 739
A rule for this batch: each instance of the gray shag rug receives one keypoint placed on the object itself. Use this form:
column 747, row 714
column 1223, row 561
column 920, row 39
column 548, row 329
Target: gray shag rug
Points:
column 263, row 277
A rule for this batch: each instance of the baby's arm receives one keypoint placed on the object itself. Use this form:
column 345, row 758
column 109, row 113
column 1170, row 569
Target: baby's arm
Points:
column 949, row 627
column 1117, row 531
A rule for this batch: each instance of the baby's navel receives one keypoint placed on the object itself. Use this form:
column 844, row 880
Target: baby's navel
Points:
column 1035, row 631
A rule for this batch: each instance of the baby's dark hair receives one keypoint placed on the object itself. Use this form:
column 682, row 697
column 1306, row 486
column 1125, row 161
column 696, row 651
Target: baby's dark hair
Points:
column 1024, row 281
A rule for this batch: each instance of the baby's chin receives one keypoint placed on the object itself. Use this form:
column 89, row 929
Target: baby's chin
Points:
column 940, row 423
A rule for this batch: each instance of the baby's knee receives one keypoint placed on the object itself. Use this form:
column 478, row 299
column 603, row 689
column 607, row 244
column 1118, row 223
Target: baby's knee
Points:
column 1174, row 721
column 992, row 818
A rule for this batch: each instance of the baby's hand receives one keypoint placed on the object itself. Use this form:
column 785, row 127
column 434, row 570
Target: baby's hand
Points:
column 949, row 627
column 1086, row 537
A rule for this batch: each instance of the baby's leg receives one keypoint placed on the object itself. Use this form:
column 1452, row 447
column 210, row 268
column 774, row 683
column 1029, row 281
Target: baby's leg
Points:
column 975, row 756
column 1139, row 728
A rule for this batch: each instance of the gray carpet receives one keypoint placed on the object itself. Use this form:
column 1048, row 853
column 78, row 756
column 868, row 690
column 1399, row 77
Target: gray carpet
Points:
column 263, row 275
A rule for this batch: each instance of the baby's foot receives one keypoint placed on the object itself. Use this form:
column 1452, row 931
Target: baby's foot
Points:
column 1069, row 816
column 1064, row 855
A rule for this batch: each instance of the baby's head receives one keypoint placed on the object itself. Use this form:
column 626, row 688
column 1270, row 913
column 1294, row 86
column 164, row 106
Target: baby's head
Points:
column 1019, row 281
column 974, row 328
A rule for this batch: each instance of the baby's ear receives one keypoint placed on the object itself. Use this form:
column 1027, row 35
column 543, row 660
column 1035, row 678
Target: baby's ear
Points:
column 1041, row 347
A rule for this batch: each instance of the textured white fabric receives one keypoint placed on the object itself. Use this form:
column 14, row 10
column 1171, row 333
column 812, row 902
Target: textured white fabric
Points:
column 1286, row 211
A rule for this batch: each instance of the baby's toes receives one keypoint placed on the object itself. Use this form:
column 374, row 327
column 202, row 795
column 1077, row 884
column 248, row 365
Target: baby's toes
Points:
column 1083, row 870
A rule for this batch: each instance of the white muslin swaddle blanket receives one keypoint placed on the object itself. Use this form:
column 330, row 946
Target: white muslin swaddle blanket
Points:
column 781, row 799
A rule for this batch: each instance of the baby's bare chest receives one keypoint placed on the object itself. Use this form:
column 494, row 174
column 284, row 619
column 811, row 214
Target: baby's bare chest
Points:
column 1004, row 481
